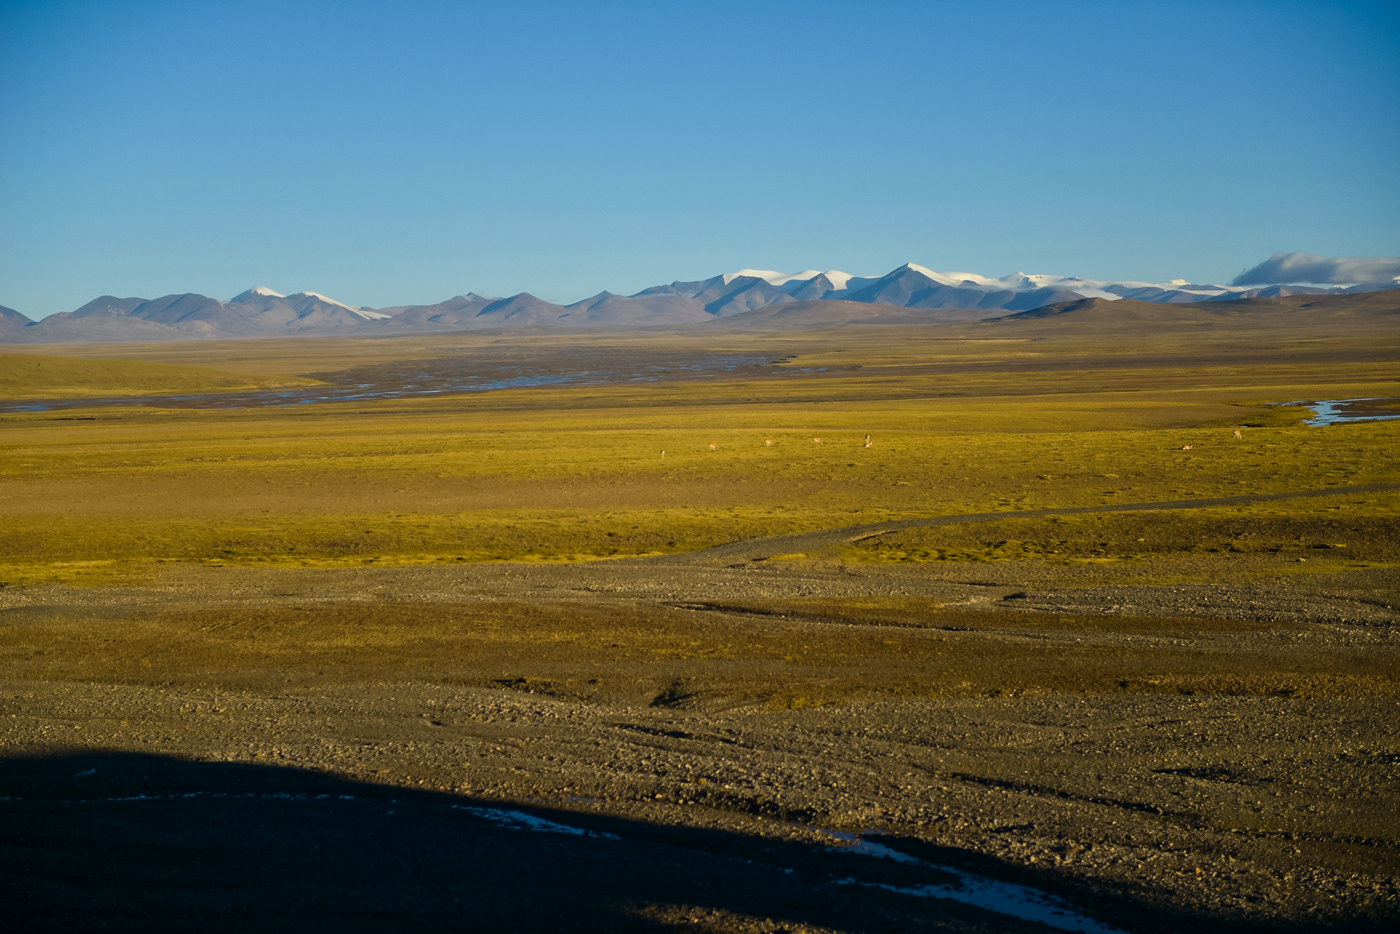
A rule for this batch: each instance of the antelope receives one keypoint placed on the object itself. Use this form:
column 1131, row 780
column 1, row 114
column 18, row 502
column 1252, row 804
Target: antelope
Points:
column 714, row 447
column 1186, row 447
column 768, row 442
column 663, row 455
column 816, row 440
column 1237, row 433
column 868, row 442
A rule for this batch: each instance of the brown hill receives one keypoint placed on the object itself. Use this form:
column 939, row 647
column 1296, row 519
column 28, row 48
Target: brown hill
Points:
column 1127, row 310
column 12, row 322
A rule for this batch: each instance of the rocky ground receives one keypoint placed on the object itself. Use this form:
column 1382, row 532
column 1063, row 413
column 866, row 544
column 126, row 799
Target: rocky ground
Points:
column 724, row 741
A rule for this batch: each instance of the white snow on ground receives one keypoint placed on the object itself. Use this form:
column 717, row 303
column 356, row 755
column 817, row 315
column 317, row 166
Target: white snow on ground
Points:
column 519, row 820
column 370, row 315
column 1008, row 898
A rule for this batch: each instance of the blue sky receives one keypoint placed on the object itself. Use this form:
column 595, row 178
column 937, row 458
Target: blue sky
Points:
column 403, row 153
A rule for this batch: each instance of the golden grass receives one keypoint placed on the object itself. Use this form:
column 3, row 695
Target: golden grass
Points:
column 46, row 376
column 576, row 472
column 1246, row 542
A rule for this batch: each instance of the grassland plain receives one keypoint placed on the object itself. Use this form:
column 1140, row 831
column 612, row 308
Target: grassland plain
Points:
column 44, row 376
column 1056, row 646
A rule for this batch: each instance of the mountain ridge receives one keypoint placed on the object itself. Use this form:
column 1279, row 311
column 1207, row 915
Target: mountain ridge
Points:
column 747, row 297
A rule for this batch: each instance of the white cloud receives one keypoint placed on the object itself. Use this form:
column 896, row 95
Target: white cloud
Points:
column 1283, row 268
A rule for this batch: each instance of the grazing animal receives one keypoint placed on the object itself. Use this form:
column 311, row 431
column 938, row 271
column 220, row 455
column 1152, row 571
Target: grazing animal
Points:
column 868, row 442
column 1237, row 433
column 816, row 440
column 768, row 442
column 1186, row 447
column 714, row 447
column 663, row 455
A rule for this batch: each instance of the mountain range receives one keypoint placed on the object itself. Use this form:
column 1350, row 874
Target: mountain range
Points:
column 757, row 297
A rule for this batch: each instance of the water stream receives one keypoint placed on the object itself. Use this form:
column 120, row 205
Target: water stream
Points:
column 445, row 377
column 1340, row 411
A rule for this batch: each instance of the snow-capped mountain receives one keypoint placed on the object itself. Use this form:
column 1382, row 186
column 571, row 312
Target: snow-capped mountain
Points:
column 907, row 294
column 255, row 294
column 301, row 303
column 257, row 312
column 915, row 286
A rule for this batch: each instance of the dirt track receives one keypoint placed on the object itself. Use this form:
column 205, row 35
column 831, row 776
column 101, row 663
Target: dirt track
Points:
column 823, row 541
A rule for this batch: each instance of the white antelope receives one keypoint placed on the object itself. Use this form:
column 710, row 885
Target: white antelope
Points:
column 816, row 440
column 1186, row 447
column 868, row 442
column 714, row 447
column 768, row 442
column 1237, row 433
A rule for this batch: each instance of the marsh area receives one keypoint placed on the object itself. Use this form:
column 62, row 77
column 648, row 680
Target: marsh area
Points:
column 489, row 659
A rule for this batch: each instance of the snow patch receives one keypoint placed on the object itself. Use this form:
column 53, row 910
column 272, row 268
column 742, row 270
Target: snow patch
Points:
column 1016, row 281
column 773, row 277
column 323, row 298
column 519, row 820
column 1008, row 898
column 259, row 291
column 1089, row 288
column 770, row 276
column 856, row 843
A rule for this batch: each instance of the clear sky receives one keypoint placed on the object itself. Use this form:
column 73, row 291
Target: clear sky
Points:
column 388, row 153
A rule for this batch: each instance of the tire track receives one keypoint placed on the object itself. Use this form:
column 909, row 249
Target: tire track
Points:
column 761, row 549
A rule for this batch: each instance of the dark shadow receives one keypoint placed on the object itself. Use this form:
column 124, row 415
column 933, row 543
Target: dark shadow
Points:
column 127, row 842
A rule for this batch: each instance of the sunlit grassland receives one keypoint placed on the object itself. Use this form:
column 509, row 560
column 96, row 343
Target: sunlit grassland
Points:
column 577, row 473
column 50, row 376
column 1249, row 542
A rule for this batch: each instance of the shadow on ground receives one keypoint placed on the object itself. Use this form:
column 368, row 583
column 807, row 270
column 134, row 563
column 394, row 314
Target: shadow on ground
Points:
column 124, row 842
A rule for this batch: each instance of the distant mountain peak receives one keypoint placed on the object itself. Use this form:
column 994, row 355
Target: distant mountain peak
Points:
column 959, row 279
column 321, row 298
column 767, row 275
column 774, row 278
column 828, row 297
column 261, row 292
column 257, row 291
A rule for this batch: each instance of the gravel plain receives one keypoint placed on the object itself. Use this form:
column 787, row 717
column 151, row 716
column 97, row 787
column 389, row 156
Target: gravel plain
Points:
column 806, row 744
